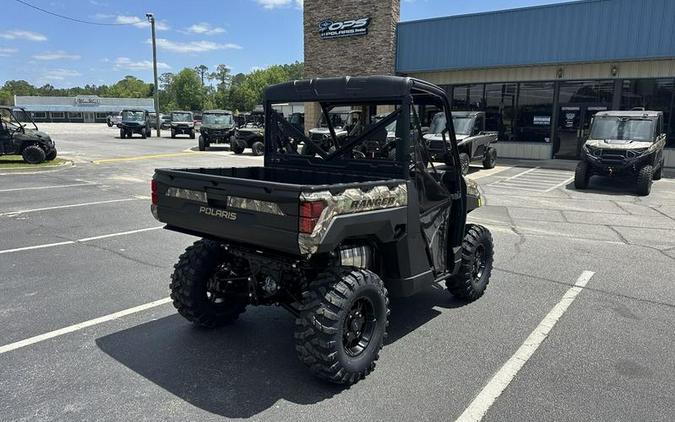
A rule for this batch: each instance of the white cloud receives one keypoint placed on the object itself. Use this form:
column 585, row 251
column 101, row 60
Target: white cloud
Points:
column 127, row 63
column 56, row 55
column 204, row 28
column 17, row 34
column 274, row 4
column 141, row 23
column 6, row 52
column 192, row 46
column 59, row 74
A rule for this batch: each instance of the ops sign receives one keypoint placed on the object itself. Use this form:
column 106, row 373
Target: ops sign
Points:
column 348, row 28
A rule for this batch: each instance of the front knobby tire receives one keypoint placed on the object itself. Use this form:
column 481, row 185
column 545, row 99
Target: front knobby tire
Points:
column 474, row 272
column 258, row 148
column 189, row 286
column 33, row 154
column 342, row 325
column 659, row 173
column 582, row 175
column 644, row 180
column 490, row 160
column 465, row 163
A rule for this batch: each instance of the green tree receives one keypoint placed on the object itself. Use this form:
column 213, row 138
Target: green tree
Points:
column 223, row 75
column 131, row 87
column 202, row 71
column 190, row 93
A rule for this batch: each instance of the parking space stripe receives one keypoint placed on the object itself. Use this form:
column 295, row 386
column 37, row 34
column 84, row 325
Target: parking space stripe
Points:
column 47, row 187
column 81, row 325
column 144, row 157
column 58, row 207
column 72, row 242
column 486, row 398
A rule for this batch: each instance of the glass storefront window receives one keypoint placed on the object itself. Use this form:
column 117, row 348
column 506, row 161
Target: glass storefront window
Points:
column 468, row 97
column 652, row 94
column 587, row 92
column 500, row 109
column 535, row 112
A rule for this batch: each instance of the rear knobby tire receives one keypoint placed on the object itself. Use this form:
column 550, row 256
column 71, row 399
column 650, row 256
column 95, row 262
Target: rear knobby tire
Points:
column 644, row 180
column 490, row 160
column 189, row 282
column 33, row 154
column 582, row 175
column 202, row 143
column 51, row 156
column 258, row 148
column 122, row 134
column 475, row 268
column 334, row 308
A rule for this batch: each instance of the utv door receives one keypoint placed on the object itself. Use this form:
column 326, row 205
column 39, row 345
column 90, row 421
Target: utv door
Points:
column 480, row 139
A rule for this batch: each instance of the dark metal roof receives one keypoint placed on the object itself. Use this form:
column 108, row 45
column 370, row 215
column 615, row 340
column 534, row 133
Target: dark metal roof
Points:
column 580, row 31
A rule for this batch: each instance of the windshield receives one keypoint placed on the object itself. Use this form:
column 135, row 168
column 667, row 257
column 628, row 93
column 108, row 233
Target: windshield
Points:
column 622, row 128
column 217, row 119
column 181, row 117
column 133, row 116
column 462, row 124
column 338, row 120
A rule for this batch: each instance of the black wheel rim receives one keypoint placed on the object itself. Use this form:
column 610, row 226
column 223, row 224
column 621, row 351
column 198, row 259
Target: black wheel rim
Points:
column 479, row 264
column 359, row 327
column 218, row 300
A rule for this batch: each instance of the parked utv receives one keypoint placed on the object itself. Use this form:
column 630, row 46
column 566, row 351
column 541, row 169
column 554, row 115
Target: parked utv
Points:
column 251, row 135
column 135, row 121
column 182, row 123
column 342, row 122
column 473, row 141
column 297, row 120
column 624, row 143
column 217, row 128
column 329, row 237
column 24, row 139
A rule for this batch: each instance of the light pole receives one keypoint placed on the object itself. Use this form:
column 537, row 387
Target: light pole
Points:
column 151, row 19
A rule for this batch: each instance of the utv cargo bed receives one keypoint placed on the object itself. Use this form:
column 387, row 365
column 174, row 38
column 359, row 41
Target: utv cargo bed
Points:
column 252, row 205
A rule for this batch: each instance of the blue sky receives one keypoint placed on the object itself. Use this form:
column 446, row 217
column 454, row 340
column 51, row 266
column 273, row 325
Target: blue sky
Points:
column 243, row 34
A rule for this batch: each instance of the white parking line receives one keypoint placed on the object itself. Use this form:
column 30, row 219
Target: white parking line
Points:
column 482, row 403
column 81, row 325
column 85, row 204
column 72, row 242
column 561, row 184
column 48, row 187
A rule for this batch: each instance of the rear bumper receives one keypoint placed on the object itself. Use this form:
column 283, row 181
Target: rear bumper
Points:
column 182, row 130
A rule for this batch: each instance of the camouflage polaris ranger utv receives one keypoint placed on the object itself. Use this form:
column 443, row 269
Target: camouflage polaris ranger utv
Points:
column 332, row 236
column 25, row 139
column 217, row 128
column 624, row 143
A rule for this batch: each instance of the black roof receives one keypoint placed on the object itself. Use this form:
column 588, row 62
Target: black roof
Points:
column 216, row 112
column 350, row 88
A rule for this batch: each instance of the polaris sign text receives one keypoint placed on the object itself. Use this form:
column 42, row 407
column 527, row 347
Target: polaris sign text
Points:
column 349, row 28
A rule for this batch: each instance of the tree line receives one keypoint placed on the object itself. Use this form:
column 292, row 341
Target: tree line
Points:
column 194, row 89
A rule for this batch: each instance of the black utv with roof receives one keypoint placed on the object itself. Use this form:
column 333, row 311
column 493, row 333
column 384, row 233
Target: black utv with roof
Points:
column 25, row 139
column 217, row 128
column 251, row 135
column 135, row 121
column 624, row 143
column 182, row 123
column 330, row 237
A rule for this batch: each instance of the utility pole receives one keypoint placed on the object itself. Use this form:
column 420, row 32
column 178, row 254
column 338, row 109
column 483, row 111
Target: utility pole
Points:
column 151, row 19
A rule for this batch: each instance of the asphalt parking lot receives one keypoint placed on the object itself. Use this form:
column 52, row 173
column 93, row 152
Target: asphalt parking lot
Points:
column 576, row 324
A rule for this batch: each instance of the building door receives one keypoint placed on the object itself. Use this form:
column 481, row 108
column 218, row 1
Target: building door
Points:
column 574, row 123
column 89, row 117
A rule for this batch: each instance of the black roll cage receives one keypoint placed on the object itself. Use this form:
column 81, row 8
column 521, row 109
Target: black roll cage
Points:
column 26, row 115
column 417, row 93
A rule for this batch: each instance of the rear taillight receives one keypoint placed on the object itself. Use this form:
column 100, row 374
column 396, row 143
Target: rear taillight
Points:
column 155, row 195
column 309, row 215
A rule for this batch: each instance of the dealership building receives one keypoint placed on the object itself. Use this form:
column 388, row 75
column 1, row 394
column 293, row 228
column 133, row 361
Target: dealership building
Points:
column 539, row 73
column 80, row 109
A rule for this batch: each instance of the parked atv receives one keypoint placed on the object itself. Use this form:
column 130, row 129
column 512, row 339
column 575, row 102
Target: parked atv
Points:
column 182, row 123
column 329, row 237
column 217, row 128
column 24, row 139
column 474, row 142
column 135, row 121
column 624, row 143
column 251, row 135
